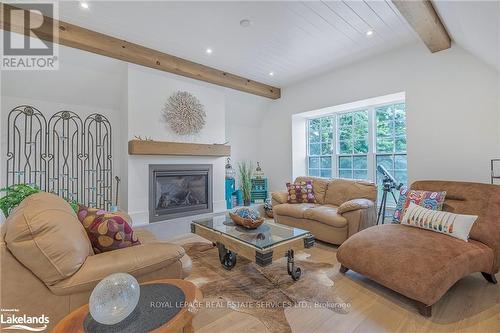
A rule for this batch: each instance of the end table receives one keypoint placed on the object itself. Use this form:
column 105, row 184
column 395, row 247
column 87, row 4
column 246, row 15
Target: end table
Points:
column 181, row 322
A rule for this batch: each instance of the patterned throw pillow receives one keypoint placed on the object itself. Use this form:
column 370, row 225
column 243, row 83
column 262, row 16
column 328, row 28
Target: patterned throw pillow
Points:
column 106, row 231
column 300, row 192
column 455, row 225
column 427, row 199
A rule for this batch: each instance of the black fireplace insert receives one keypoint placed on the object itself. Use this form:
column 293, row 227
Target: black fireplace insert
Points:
column 177, row 190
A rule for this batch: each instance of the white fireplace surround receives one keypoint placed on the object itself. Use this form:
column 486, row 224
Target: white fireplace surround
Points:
column 138, row 184
column 147, row 92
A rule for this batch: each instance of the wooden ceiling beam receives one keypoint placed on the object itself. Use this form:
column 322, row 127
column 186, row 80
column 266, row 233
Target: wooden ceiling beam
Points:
column 422, row 16
column 84, row 39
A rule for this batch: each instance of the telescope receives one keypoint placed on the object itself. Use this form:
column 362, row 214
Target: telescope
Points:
column 389, row 177
column 390, row 184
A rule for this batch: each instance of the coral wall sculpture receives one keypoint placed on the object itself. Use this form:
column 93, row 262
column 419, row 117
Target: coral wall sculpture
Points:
column 184, row 113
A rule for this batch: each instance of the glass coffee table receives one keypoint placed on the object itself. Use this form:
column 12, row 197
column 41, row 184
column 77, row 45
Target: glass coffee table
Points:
column 269, row 241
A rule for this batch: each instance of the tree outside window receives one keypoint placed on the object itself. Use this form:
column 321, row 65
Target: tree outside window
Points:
column 320, row 146
column 351, row 144
column 391, row 142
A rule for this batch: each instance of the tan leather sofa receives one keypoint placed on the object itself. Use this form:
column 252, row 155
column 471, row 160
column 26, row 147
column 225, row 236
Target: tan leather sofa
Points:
column 423, row 264
column 48, row 266
column 343, row 208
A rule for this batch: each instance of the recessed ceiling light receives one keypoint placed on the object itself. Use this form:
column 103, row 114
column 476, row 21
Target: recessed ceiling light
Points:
column 84, row 5
column 245, row 23
column 209, row 51
column 369, row 33
column 271, row 73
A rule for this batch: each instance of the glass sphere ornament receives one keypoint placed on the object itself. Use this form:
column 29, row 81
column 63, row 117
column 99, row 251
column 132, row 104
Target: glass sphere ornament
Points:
column 229, row 169
column 114, row 298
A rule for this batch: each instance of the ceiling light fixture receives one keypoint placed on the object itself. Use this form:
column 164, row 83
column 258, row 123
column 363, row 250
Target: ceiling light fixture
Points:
column 245, row 23
column 271, row 73
column 369, row 33
column 84, row 5
column 209, row 51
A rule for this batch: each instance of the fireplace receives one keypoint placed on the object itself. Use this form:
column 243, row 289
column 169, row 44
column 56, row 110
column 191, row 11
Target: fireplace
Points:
column 177, row 190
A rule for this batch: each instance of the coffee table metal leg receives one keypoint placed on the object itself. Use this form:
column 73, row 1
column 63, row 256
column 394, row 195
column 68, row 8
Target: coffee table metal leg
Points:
column 293, row 271
column 226, row 257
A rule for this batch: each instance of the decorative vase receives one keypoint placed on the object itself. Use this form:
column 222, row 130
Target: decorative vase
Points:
column 247, row 202
column 268, row 208
column 114, row 298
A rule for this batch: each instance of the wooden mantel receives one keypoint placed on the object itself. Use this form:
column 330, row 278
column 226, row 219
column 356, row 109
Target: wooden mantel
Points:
column 147, row 147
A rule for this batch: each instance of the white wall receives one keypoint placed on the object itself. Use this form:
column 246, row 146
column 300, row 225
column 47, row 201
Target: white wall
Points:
column 452, row 111
column 48, row 108
column 87, row 83
column 148, row 90
column 245, row 114
column 452, row 105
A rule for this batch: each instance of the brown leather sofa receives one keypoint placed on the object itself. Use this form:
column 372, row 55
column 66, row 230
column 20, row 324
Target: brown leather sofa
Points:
column 343, row 208
column 423, row 264
column 48, row 266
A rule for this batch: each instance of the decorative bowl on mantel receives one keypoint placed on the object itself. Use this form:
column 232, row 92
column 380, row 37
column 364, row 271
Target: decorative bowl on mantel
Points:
column 247, row 218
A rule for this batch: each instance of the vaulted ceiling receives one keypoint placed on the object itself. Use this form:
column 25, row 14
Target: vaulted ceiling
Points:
column 474, row 25
column 293, row 40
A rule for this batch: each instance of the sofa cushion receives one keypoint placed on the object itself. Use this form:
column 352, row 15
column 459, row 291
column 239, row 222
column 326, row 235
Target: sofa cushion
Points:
column 300, row 192
column 417, row 263
column 428, row 199
column 44, row 234
column 326, row 214
column 319, row 187
column 292, row 210
column 454, row 225
column 342, row 190
column 107, row 231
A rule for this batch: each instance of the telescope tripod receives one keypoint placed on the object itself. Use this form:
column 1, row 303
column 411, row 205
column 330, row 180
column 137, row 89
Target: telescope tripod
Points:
column 388, row 187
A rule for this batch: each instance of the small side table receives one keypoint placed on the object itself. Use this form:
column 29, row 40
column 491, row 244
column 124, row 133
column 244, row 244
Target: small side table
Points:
column 181, row 322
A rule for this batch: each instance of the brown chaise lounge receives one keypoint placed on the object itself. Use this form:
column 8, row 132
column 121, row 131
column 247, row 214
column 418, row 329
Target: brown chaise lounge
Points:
column 422, row 264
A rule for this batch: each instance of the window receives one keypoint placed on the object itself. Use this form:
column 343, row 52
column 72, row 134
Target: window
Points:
column 391, row 141
column 320, row 146
column 351, row 144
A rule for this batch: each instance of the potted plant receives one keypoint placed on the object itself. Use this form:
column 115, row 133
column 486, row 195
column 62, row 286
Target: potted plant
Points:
column 14, row 195
column 245, row 170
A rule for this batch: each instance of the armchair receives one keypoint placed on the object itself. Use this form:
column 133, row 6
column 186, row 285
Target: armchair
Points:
column 48, row 266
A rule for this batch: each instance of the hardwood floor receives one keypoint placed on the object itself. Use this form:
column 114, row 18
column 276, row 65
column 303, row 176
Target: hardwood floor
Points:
column 471, row 305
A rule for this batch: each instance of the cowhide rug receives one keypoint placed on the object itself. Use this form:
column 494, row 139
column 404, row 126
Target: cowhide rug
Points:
column 265, row 292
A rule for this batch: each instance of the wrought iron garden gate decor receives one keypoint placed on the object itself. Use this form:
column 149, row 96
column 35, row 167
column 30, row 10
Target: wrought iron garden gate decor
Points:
column 64, row 155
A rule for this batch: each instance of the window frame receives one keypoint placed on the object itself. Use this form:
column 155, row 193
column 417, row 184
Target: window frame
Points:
column 372, row 140
column 353, row 154
column 320, row 156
